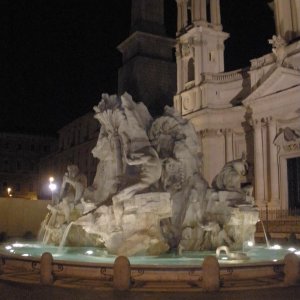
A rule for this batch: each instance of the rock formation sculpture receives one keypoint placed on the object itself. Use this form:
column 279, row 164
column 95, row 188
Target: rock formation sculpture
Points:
column 149, row 195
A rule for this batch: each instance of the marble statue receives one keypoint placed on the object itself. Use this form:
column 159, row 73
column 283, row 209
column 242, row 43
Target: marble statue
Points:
column 73, row 184
column 231, row 175
column 106, row 181
column 148, row 195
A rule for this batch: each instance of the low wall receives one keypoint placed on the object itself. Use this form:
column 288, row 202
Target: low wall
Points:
column 18, row 216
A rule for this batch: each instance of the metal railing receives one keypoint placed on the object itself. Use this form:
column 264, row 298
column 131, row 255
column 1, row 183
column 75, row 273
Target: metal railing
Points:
column 280, row 221
column 279, row 214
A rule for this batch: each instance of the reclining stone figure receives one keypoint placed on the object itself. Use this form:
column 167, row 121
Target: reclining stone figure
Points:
column 231, row 175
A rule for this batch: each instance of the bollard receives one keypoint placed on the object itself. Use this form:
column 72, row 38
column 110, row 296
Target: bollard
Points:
column 46, row 276
column 121, row 277
column 1, row 265
column 291, row 269
column 211, row 274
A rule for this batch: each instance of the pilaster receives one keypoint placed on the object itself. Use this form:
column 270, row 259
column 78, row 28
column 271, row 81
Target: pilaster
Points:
column 258, row 164
column 229, row 146
column 274, row 178
column 203, row 14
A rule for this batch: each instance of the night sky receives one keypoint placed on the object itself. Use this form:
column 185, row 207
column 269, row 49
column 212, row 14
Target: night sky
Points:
column 58, row 56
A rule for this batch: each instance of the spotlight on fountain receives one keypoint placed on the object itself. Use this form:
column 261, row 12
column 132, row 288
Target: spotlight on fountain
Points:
column 52, row 187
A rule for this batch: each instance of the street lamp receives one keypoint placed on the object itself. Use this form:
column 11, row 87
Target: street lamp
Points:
column 9, row 190
column 52, row 187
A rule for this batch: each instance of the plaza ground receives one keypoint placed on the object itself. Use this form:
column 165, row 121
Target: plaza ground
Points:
column 21, row 291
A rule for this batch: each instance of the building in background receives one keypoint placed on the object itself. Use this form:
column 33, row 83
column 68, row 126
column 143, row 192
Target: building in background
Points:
column 75, row 143
column 255, row 110
column 148, row 72
column 19, row 158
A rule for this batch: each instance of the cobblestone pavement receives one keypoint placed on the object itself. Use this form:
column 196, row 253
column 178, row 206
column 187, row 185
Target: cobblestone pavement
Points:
column 21, row 291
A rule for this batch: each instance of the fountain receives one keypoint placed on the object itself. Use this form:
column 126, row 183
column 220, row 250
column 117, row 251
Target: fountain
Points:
column 149, row 200
column 149, row 196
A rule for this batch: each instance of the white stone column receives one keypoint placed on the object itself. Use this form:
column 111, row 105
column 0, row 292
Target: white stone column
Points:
column 296, row 16
column 179, row 15
column 197, row 59
column 203, row 14
column 196, row 8
column 184, row 13
column 283, row 19
column 215, row 13
column 258, row 164
column 274, row 177
column 265, row 146
column 229, row 145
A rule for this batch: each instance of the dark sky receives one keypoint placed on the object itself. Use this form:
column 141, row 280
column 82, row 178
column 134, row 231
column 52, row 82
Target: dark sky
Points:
column 58, row 56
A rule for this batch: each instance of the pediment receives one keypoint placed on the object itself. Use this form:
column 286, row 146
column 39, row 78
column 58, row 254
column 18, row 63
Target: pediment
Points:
column 277, row 80
column 288, row 139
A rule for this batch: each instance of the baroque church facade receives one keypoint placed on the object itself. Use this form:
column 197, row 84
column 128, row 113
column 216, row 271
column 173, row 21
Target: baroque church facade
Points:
column 254, row 111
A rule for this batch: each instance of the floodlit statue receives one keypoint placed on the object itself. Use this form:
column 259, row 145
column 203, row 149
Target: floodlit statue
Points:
column 148, row 194
column 231, row 175
column 177, row 144
column 107, row 179
column 73, row 184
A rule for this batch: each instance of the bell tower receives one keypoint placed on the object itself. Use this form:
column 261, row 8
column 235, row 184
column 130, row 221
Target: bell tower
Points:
column 148, row 72
column 200, row 41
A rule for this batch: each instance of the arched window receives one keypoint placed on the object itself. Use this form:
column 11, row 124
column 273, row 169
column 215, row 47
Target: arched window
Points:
column 191, row 70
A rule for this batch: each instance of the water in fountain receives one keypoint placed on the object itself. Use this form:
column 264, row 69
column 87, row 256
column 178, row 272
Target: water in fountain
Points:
column 265, row 233
column 64, row 237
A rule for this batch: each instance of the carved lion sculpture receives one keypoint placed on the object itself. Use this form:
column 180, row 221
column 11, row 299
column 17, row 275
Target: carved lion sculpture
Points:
column 231, row 175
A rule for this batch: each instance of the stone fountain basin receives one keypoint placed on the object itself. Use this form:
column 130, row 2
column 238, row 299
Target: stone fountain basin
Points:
column 257, row 254
column 264, row 266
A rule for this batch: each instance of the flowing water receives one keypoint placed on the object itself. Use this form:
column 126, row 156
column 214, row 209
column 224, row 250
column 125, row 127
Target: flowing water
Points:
column 64, row 237
column 265, row 234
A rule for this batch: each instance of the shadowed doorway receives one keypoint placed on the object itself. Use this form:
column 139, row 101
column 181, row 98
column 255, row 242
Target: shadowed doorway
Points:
column 293, row 167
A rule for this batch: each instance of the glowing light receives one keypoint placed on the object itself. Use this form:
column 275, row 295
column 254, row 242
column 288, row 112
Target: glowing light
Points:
column 52, row 186
column 297, row 253
column 11, row 251
column 224, row 258
column 275, row 260
column 89, row 252
column 8, row 247
column 9, row 191
column 250, row 243
column 276, row 247
column 292, row 249
column 17, row 245
column 56, row 255
column 25, row 254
